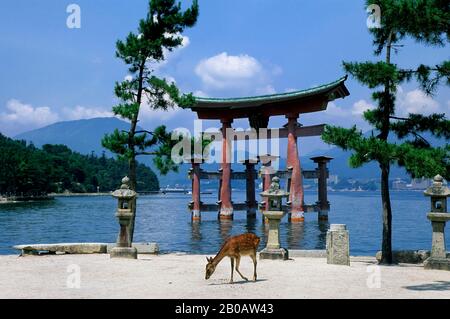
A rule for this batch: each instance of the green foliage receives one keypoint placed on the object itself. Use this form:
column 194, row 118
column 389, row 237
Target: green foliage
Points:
column 426, row 21
column 116, row 142
column 437, row 124
column 374, row 74
column 424, row 162
column 366, row 149
column 164, row 95
column 162, row 159
column 159, row 32
column 429, row 77
column 418, row 161
column 55, row 168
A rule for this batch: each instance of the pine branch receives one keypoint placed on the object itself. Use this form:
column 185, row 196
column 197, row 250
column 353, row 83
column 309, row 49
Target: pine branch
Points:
column 144, row 131
column 436, row 124
column 146, row 153
column 430, row 77
column 398, row 118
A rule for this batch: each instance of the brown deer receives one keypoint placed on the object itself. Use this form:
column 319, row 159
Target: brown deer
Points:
column 235, row 247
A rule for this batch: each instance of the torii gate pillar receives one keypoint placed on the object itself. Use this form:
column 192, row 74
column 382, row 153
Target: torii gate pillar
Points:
column 196, row 203
column 296, row 196
column 226, row 206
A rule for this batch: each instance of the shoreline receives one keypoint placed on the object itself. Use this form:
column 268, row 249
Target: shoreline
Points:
column 5, row 200
column 79, row 194
column 51, row 196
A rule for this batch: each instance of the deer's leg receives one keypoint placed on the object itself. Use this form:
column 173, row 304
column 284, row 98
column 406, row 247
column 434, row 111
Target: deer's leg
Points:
column 238, row 260
column 232, row 267
column 253, row 257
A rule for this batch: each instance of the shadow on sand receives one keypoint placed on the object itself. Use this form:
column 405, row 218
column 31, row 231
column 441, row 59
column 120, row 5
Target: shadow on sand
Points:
column 242, row 282
column 437, row 286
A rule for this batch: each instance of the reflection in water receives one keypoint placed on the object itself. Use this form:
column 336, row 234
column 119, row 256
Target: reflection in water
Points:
column 323, row 226
column 196, row 235
column 225, row 229
column 295, row 233
column 251, row 225
column 263, row 232
column 25, row 207
column 163, row 219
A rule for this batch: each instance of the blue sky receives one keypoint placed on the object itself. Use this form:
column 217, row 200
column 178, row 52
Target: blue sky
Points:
column 52, row 73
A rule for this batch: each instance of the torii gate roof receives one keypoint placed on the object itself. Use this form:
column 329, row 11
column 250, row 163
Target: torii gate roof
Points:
column 304, row 101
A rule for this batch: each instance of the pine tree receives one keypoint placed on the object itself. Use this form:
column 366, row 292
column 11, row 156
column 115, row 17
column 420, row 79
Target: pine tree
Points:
column 427, row 22
column 160, row 31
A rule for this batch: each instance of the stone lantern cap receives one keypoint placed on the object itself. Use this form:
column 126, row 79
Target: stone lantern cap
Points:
column 124, row 192
column 438, row 188
column 274, row 189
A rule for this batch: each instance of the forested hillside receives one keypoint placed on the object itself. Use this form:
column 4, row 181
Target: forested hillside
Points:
column 27, row 169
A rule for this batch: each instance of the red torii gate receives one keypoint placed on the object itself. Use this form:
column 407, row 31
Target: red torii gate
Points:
column 258, row 110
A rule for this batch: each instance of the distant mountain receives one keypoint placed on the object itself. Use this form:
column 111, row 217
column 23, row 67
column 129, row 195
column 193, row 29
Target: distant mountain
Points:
column 339, row 166
column 84, row 136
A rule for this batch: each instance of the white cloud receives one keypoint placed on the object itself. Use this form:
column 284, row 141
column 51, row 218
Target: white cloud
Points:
column 225, row 71
column 200, row 93
column 170, row 55
column 81, row 112
column 336, row 111
column 170, row 79
column 361, row 106
column 277, row 70
column 147, row 114
column 266, row 90
column 416, row 101
column 346, row 115
column 173, row 117
column 19, row 117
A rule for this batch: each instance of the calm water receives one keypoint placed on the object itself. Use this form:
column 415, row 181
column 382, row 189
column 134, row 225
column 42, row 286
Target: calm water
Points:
column 165, row 220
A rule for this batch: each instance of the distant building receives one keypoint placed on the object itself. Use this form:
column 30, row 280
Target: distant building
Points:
column 399, row 184
column 420, row 183
column 333, row 179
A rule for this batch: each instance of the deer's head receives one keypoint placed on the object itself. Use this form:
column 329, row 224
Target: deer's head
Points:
column 210, row 267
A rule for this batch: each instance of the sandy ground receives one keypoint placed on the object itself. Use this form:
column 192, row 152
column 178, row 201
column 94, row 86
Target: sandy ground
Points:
column 182, row 276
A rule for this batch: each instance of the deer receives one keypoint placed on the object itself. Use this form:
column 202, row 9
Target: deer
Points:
column 235, row 247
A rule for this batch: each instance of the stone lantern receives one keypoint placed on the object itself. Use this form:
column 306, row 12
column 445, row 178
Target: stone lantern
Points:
column 125, row 198
column 438, row 217
column 274, row 212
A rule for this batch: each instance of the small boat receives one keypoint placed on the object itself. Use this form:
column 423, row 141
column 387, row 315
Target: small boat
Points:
column 174, row 190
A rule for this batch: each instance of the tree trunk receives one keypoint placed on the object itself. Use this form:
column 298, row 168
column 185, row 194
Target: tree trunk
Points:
column 132, row 161
column 386, row 246
column 133, row 178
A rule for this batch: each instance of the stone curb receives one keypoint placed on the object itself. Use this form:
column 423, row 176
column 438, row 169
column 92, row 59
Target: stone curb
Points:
column 82, row 248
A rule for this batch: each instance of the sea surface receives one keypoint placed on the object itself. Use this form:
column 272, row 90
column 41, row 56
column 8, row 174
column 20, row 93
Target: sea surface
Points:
column 165, row 219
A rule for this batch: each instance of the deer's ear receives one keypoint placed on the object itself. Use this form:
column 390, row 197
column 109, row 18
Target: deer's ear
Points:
column 207, row 259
